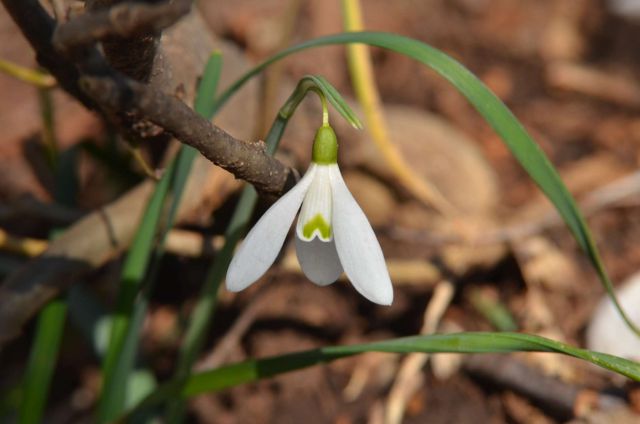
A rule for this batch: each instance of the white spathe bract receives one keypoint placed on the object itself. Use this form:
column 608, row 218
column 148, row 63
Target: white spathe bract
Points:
column 332, row 235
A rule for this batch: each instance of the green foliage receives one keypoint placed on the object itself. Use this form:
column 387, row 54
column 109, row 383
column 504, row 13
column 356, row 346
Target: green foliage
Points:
column 255, row 369
column 44, row 354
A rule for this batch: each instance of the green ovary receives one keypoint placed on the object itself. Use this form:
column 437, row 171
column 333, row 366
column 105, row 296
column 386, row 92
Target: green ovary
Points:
column 317, row 223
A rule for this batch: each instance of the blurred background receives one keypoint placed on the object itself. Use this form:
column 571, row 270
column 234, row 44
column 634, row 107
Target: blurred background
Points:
column 502, row 261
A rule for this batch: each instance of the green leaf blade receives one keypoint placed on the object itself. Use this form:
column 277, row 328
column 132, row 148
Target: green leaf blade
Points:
column 472, row 342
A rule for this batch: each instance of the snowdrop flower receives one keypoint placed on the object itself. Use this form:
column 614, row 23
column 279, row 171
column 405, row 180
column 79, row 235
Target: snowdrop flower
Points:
column 332, row 233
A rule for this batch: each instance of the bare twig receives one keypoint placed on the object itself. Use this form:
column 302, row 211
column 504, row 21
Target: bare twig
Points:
column 139, row 55
column 179, row 242
column 130, row 33
column 248, row 161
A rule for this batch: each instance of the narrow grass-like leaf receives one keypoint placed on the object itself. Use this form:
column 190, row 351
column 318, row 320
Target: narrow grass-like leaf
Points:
column 255, row 369
column 513, row 134
column 118, row 360
column 90, row 316
column 205, row 103
column 42, row 361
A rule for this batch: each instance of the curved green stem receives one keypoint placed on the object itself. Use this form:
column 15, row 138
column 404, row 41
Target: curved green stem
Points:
column 324, row 90
column 325, row 109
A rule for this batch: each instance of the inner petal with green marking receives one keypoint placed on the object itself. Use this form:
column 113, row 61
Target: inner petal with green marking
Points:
column 317, row 223
column 317, row 208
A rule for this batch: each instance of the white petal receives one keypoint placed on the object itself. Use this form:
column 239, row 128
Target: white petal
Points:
column 316, row 208
column 263, row 243
column 357, row 245
column 319, row 260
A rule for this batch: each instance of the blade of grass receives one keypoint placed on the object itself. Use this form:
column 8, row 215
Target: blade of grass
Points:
column 506, row 125
column 42, row 361
column 138, row 157
column 141, row 264
column 205, row 103
column 255, row 369
column 118, row 360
